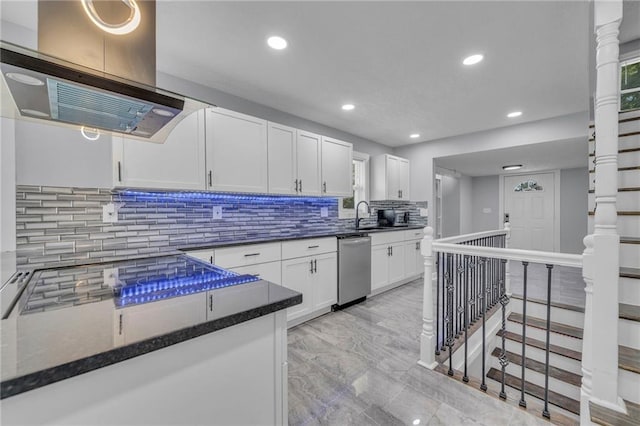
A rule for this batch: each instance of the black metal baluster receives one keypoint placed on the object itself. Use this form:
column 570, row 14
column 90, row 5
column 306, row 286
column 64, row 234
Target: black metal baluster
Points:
column 456, row 295
column 504, row 301
column 465, row 378
column 525, row 265
column 438, row 278
column 450, row 314
column 545, row 411
column 445, row 274
column 483, row 261
column 460, row 306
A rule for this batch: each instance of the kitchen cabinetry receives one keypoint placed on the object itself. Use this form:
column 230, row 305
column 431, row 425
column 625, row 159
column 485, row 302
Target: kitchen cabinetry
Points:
column 314, row 275
column 337, row 158
column 178, row 163
column 389, row 178
column 236, row 152
column 261, row 260
column 395, row 258
column 281, row 141
column 207, row 255
column 414, row 262
column 308, row 159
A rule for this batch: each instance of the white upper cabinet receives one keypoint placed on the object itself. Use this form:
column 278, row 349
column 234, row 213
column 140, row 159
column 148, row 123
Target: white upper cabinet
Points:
column 308, row 158
column 337, row 158
column 281, row 141
column 236, row 152
column 176, row 164
column 389, row 178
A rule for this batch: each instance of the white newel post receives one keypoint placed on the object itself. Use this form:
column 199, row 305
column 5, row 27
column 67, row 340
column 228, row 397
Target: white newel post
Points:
column 601, row 257
column 427, row 337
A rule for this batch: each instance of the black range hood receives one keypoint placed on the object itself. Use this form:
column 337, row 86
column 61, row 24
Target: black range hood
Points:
column 47, row 88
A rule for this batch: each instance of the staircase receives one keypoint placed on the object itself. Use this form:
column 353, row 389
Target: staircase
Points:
column 628, row 205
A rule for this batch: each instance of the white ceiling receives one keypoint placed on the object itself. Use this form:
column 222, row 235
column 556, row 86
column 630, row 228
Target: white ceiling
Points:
column 565, row 154
column 398, row 62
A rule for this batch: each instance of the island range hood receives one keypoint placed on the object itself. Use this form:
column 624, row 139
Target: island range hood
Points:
column 46, row 88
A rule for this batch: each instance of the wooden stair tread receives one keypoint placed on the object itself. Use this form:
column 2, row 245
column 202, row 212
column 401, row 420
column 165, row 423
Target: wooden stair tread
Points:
column 539, row 367
column 627, row 189
column 629, row 359
column 622, row 169
column 629, row 240
column 629, row 312
column 630, row 272
column 539, row 344
column 606, row 416
column 555, row 327
column 623, row 213
column 555, row 398
column 554, row 304
column 620, row 151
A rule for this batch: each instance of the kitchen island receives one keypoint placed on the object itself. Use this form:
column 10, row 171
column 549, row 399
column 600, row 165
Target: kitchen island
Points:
column 163, row 340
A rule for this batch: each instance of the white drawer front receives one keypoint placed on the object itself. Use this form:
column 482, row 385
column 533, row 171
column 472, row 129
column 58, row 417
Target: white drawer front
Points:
column 206, row 255
column 270, row 271
column 231, row 257
column 386, row 237
column 301, row 248
column 414, row 234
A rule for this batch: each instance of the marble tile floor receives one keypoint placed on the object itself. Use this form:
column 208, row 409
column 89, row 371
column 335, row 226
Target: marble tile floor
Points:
column 359, row 367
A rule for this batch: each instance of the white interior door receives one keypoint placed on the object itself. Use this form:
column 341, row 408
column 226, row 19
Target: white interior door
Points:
column 529, row 201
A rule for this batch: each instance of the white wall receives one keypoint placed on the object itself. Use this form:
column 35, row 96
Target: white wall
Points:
column 485, row 204
column 7, row 186
column 574, row 187
column 450, row 206
column 422, row 155
column 466, row 204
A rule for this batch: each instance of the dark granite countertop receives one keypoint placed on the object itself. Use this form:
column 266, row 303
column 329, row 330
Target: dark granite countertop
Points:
column 70, row 320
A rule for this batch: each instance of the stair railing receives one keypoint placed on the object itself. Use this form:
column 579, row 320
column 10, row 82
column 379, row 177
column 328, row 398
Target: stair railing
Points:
column 471, row 276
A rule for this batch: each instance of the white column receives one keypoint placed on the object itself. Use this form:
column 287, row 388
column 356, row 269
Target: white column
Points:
column 601, row 261
column 428, row 338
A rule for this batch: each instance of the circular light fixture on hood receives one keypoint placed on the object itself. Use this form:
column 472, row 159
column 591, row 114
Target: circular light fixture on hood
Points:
column 94, row 134
column 130, row 24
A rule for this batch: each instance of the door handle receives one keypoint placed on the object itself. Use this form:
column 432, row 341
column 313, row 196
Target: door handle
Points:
column 296, row 182
column 119, row 171
column 210, row 178
column 251, row 254
column 391, row 249
column 300, row 185
column 311, row 270
column 313, row 247
column 211, row 259
column 211, row 303
column 324, row 187
column 315, row 265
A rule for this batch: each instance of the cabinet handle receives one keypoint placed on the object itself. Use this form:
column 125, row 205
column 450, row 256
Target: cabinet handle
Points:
column 391, row 249
column 313, row 247
column 211, row 303
column 119, row 172
column 311, row 262
column 296, row 182
column 211, row 259
column 324, row 187
column 388, row 251
column 418, row 245
column 315, row 265
column 251, row 254
column 120, row 325
column 210, row 178
column 300, row 185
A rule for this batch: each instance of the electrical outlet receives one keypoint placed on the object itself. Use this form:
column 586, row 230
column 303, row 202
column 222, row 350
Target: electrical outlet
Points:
column 217, row 212
column 324, row 212
column 110, row 213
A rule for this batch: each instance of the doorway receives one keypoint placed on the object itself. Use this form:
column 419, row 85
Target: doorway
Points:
column 531, row 203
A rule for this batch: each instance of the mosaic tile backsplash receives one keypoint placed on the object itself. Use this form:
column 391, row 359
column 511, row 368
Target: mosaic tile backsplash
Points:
column 58, row 223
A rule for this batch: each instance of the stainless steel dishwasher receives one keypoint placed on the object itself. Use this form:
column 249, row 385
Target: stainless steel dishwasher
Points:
column 354, row 269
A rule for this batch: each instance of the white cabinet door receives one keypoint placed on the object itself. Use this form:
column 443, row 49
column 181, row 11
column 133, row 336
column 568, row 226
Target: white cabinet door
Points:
column 411, row 258
column 325, row 280
column 379, row 266
column 419, row 258
column 281, row 141
column 393, row 182
column 269, row 271
column 396, row 263
column 296, row 275
column 206, row 255
column 236, row 146
column 337, row 159
column 178, row 163
column 403, row 178
column 308, row 159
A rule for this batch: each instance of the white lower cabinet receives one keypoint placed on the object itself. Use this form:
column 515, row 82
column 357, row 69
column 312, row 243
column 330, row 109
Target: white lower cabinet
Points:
column 395, row 257
column 270, row 271
column 315, row 276
column 206, row 255
column 379, row 266
column 413, row 260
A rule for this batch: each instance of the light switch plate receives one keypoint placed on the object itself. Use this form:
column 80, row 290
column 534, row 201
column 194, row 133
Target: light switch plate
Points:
column 110, row 213
column 217, row 212
column 324, row 212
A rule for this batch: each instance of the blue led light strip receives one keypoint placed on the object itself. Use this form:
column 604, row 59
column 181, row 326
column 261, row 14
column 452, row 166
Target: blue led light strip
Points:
column 144, row 195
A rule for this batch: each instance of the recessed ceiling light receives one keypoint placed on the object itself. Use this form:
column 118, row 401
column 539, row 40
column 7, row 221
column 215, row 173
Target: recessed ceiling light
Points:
column 416, row 422
column 24, row 79
column 348, row 107
column 512, row 167
column 414, row 135
column 34, row 112
column 473, row 59
column 514, row 114
column 163, row 112
column 277, row 42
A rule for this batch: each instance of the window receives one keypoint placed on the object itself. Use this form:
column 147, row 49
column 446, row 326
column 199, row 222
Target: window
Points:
column 630, row 84
column 359, row 181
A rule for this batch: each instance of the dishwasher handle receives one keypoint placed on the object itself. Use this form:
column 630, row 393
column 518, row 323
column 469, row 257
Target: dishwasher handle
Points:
column 355, row 241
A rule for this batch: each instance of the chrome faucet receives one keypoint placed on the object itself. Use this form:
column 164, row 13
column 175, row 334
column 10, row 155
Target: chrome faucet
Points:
column 358, row 209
